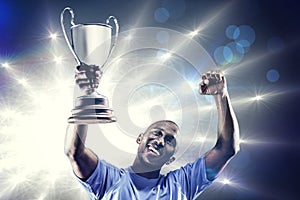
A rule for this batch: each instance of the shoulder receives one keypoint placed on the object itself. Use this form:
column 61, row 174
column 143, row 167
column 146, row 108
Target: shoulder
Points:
column 196, row 169
column 196, row 165
column 103, row 171
column 106, row 167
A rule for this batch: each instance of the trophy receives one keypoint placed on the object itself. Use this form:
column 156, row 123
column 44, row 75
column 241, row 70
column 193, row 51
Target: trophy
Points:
column 91, row 45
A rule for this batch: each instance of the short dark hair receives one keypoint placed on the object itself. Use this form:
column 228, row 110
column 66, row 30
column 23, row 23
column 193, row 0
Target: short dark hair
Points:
column 164, row 121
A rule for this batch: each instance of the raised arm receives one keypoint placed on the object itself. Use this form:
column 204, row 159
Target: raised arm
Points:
column 82, row 159
column 227, row 145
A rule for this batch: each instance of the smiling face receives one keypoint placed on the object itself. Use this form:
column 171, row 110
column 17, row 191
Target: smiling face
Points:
column 158, row 144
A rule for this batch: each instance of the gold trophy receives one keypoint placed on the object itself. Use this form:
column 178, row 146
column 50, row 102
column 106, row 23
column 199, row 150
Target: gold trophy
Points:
column 91, row 45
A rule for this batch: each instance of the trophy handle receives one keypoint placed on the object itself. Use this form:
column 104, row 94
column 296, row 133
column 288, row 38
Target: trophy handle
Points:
column 65, row 34
column 116, row 34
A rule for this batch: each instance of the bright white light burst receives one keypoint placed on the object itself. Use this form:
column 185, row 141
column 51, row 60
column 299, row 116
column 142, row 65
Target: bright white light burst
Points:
column 193, row 33
column 226, row 181
column 53, row 36
column 58, row 59
column 258, row 98
column 166, row 56
column 23, row 82
column 6, row 65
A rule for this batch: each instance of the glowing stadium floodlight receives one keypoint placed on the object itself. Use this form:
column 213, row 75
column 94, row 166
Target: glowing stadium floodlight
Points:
column 257, row 98
column 23, row 82
column 53, row 36
column 9, row 114
column 166, row 56
column 58, row 59
column 226, row 181
column 193, row 33
column 6, row 65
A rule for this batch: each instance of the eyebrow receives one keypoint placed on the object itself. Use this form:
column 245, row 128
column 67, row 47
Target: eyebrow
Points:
column 161, row 129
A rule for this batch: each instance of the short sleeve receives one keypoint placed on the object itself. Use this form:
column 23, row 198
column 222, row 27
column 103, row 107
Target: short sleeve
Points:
column 192, row 178
column 103, row 177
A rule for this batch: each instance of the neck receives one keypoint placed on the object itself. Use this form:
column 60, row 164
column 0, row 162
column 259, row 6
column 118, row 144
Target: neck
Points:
column 144, row 170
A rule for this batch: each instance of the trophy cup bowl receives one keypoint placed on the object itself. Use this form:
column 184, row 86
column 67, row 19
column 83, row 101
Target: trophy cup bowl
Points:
column 91, row 45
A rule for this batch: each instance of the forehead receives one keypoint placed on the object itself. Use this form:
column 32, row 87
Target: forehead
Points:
column 168, row 127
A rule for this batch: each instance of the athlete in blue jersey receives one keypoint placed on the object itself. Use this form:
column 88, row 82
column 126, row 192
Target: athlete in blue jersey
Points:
column 156, row 147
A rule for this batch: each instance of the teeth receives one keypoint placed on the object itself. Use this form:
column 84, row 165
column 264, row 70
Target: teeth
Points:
column 154, row 150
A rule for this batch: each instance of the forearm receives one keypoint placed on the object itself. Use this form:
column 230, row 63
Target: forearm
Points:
column 82, row 159
column 228, row 130
column 75, row 140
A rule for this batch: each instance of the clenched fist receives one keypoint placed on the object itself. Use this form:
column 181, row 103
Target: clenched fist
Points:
column 213, row 83
column 87, row 77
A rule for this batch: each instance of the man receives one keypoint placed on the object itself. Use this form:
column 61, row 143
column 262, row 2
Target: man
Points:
column 156, row 147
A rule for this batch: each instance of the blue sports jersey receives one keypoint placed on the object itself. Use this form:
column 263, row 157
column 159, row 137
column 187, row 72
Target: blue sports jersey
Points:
column 111, row 183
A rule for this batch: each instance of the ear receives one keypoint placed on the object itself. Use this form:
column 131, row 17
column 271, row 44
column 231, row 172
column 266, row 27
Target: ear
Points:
column 170, row 160
column 139, row 138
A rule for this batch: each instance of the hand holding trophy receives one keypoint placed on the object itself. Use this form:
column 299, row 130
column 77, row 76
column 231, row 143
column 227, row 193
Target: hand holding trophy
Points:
column 87, row 77
column 91, row 45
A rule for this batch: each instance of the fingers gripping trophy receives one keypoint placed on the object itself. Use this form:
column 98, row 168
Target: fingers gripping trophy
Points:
column 91, row 45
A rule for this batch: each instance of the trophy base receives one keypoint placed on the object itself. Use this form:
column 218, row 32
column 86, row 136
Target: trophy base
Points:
column 91, row 109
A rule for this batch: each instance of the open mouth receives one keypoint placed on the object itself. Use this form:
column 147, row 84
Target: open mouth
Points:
column 153, row 149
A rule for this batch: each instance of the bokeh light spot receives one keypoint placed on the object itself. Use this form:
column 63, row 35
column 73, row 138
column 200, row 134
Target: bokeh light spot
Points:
column 246, row 35
column 230, row 32
column 227, row 54
column 162, row 37
column 161, row 15
column 237, row 52
column 273, row 75
column 223, row 55
column 236, row 33
column 243, row 43
column 240, row 48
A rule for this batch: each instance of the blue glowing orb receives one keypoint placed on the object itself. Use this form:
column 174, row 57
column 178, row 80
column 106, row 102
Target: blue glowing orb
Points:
column 231, row 32
column 223, row 55
column 244, row 35
column 272, row 75
column 161, row 15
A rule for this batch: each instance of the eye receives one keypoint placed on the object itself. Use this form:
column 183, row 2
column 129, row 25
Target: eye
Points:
column 157, row 133
column 170, row 140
